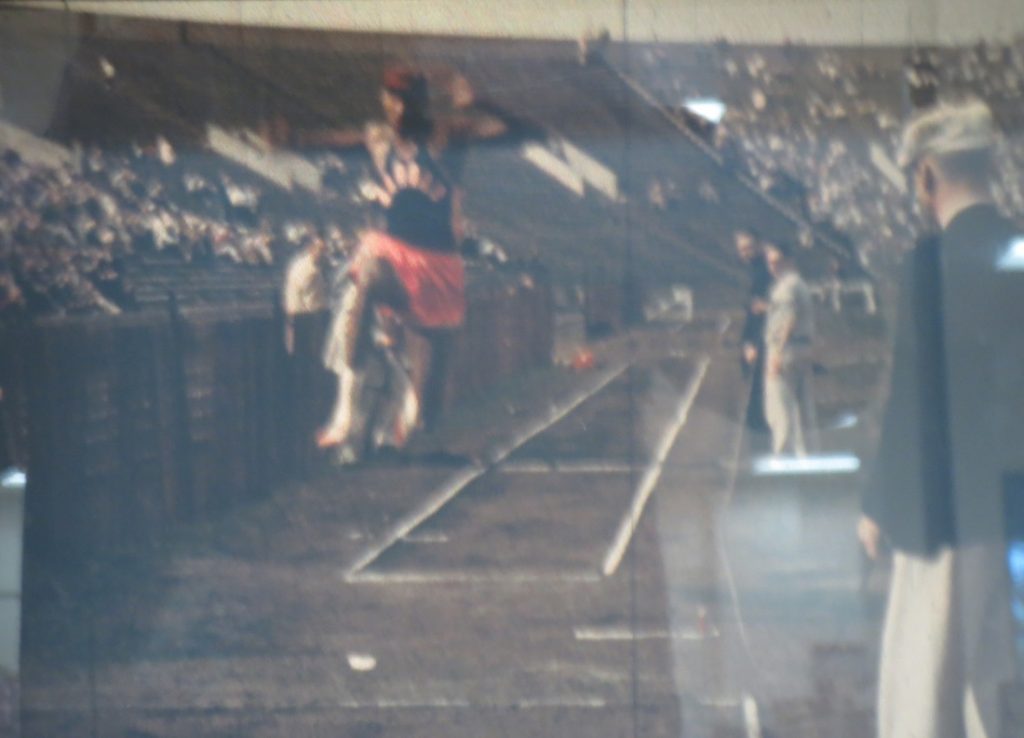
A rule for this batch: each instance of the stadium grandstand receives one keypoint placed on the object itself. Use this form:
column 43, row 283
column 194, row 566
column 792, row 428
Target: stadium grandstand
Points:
column 124, row 101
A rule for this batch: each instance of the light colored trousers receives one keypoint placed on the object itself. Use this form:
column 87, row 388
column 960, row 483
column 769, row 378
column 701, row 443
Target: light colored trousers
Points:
column 347, row 417
column 789, row 408
column 947, row 646
column 399, row 415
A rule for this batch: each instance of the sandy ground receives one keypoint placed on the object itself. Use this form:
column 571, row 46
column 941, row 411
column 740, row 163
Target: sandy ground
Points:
column 608, row 566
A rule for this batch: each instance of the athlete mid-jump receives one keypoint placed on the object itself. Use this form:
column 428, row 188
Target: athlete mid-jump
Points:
column 408, row 265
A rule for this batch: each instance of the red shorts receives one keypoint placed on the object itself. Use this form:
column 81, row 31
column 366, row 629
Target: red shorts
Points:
column 434, row 282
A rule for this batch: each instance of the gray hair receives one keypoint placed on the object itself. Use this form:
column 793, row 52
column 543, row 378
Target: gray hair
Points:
column 948, row 131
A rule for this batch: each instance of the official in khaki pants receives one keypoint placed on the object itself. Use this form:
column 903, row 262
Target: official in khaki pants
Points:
column 788, row 338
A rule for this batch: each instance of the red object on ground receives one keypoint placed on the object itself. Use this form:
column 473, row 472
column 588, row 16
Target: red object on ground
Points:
column 583, row 360
column 434, row 281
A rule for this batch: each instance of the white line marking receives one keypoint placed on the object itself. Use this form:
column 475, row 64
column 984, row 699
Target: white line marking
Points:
column 584, row 467
column 653, row 473
column 526, row 467
column 405, row 704
column 751, row 717
column 425, row 538
column 566, row 467
column 524, row 704
column 594, row 702
column 527, row 703
column 462, row 478
column 466, row 577
column 626, row 634
column 453, row 486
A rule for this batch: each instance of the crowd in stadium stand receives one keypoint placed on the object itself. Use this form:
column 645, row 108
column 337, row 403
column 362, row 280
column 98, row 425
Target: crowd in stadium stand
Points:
column 59, row 241
column 66, row 232
column 803, row 133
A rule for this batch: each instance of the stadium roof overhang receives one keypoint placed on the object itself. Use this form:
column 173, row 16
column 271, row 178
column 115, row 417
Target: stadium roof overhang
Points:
column 817, row 22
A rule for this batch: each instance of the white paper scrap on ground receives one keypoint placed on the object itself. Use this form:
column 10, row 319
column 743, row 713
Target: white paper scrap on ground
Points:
column 362, row 662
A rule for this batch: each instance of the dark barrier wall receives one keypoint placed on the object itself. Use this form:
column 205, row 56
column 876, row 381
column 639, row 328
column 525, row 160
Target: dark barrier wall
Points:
column 137, row 422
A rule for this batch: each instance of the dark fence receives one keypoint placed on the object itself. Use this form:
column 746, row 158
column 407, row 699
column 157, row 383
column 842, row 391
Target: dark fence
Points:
column 132, row 423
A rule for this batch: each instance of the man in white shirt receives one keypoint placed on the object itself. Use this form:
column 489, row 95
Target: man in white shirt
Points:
column 304, row 286
column 788, row 335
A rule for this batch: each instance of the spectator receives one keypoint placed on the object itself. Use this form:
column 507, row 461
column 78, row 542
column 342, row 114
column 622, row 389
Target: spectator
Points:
column 936, row 494
column 748, row 246
column 788, row 337
column 304, row 286
column 922, row 81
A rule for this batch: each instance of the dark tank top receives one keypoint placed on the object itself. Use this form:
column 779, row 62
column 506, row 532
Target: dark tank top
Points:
column 439, row 236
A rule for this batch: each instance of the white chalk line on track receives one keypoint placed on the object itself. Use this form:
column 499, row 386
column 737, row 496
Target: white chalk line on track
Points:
column 482, row 577
column 539, row 703
column 462, row 479
column 441, row 704
column 581, row 467
column 421, row 538
column 652, row 474
column 564, row 467
column 628, row 634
